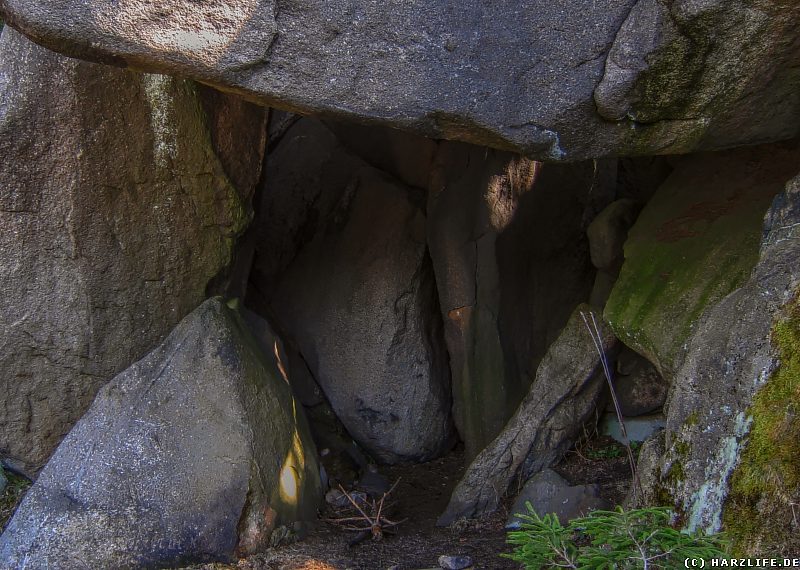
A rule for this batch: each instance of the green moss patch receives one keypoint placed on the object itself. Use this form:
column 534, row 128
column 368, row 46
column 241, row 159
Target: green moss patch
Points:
column 695, row 242
column 764, row 502
column 13, row 494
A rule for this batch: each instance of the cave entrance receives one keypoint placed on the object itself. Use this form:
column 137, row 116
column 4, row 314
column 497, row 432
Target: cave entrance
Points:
column 417, row 284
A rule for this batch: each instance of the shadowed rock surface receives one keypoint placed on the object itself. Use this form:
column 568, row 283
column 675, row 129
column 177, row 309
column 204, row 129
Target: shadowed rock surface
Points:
column 733, row 355
column 563, row 396
column 342, row 265
column 548, row 492
column 639, row 387
column 508, row 273
column 525, row 76
column 118, row 208
column 194, row 453
column 694, row 242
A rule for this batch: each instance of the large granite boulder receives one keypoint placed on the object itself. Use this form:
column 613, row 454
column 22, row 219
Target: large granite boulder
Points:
column 342, row 266
column 121, row 198
column 195, row 453
column 694, row 242
column 726, row 69
column 552, row 81
column 731, row 442
column 561, row 400
column 508, row 272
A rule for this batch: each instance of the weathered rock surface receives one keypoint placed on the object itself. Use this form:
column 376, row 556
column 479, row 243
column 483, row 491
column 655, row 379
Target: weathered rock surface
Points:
column 343, row 266
column 508, row 273
column 118, row 208
column 330, row 436
column 548, row 492
column 194, row 453
column 528, row 77
column 694, row 242
column 715, row 65
column 561, row 399
column 637, row 428
column 732, row 357
column 607, row 234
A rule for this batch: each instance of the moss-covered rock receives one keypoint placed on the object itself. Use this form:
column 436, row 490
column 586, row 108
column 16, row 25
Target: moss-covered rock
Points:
column 695, row 241
column 765, row 487
column 683, row 65
column 731, row 434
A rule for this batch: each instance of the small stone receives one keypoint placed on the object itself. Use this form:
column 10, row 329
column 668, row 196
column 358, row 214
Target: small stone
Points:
column 334, row 497
column 455, row 562
column 338, row 499
column 548, row 492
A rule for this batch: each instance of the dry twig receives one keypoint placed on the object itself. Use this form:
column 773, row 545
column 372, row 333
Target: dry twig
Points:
column 373, row 523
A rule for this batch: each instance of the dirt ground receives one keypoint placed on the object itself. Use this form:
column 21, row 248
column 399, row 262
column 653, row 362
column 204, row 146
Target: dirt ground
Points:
column 421, row 496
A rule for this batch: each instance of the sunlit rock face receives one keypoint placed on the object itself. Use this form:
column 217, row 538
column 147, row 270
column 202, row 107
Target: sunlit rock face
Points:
column 121, row 199
column 596, row 78
column 197, row 452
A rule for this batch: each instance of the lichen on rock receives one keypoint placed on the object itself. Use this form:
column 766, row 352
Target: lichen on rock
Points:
column 760, row 513
column 731, row 430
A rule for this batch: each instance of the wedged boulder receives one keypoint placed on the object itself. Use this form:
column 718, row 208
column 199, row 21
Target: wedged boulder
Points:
column 121, row 197
column 194, row 453
column 508, row 272
column 562, row 398
column 694, row 242
column 639, row 387
column 731, row 442
column 343, row 267
column 523, row 76
column 607, row 234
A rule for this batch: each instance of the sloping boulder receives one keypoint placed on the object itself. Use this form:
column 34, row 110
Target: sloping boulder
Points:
column 694, row 242
column 194, row 453
column 731, row 442
column 666, row 76
column 343, row 269
column 560, row 401
column 121, row 197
